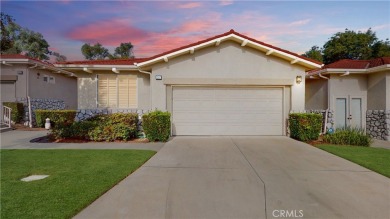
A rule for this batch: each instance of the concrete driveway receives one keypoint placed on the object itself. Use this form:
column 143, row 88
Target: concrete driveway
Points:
column 245, row 177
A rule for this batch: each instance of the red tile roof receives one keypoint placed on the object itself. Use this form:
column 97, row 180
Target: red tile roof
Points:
column 20, row 56
column 355, row 64
column 104, row 62
column 139, row 60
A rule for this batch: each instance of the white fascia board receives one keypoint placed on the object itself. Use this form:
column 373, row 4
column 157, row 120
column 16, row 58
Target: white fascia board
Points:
column 379, row 68
column 289, row 56
column 220, row 39
column 186, row 50
column 337, row 71
column 97, row 67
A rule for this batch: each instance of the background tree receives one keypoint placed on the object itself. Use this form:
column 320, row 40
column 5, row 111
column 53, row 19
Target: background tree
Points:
column 32, row 44
column 351, row 45
column 314, row 53
column 124, row 50
column 16, row 40
column 94, row 52
column 58, row 57
column 9, row 31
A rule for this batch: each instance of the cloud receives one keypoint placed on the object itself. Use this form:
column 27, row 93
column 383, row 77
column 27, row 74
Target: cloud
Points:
column 225, row 2
column 189, row 5
column 300, row 22
column 108, row 32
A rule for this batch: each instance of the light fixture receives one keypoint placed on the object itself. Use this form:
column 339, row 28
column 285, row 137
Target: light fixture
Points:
column 298, row 79
column 158, row 77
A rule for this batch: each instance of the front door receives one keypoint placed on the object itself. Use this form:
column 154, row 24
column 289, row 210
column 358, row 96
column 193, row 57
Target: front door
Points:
column 348, row 112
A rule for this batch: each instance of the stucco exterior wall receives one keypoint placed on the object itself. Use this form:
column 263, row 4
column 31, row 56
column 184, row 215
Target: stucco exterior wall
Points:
column 228, row 61
column 64, row 88
column 316, row 94
column 29, row 84
column 21, row 84
column 388, row 91
column 376, row 95
column 87, row 89
column 351, row 85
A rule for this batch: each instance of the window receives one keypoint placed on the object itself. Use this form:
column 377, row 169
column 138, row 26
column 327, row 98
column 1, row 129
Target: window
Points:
column 46, row 78
column 117, row 91
column 52, row 80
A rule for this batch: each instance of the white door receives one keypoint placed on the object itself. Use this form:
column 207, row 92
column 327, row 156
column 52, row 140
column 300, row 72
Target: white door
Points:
column 349, row 112
column 227, row 111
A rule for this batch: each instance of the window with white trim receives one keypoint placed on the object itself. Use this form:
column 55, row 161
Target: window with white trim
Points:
column 117, row 91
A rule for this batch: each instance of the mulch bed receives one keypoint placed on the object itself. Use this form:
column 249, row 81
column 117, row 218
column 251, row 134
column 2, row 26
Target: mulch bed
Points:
column 21, row 127
column 48, row 139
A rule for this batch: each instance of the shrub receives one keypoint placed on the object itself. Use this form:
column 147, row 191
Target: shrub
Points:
column 55, row 116
column 348, row 136
column 157, row 125
column 305, row 126
column 117, row 126
column 17, row 110
column 77, row 130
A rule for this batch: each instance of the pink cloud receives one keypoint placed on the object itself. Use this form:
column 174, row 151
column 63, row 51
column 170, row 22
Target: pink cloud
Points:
column 190, row 5
column 225, row 2
column 108, row 32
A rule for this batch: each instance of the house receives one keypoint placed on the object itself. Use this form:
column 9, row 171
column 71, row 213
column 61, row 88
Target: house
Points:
column 356, row 91
column 229, row 84
column 46, row 86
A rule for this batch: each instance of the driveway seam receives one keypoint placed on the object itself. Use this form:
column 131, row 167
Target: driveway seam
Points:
column 257, row 174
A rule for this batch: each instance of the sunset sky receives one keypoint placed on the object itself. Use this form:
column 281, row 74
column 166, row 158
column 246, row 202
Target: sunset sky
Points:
column 157, row 26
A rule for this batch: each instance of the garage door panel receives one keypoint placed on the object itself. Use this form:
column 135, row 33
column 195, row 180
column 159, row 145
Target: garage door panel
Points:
column 227, row 111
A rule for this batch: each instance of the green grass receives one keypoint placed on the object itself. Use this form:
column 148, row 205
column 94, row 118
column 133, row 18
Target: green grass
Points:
column 77, row 178
column 375, row 159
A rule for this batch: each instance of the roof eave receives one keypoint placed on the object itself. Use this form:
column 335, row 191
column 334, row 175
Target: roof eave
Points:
column 245, row 42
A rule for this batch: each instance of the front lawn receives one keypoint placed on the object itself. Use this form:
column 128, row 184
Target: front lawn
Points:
column 375, row 159
column 77, row 178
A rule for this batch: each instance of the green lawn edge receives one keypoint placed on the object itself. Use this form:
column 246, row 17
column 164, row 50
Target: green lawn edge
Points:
column 375, row 159
column 77, row 178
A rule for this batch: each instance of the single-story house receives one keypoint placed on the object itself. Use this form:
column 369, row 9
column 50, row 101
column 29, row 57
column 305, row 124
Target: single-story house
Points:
column 356, row 91
column 46, row 86
column 229, row 84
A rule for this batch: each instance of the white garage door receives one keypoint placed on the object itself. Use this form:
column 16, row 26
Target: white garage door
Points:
column 227, row 111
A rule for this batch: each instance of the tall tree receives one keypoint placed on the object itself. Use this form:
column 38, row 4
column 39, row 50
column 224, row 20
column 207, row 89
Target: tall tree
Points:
column 32, row 44
column 94, row 52
column 9, row 32
column 349, row 45
column 124, row 50
column 314, row 53
column 381, row 49
column 15, row 40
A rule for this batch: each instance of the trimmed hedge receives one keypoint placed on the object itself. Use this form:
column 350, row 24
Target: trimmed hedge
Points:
column 305, row 126
column 348, row 136
column 55, row 116
column 157, row 125
column 17, row 111
column 117, row 126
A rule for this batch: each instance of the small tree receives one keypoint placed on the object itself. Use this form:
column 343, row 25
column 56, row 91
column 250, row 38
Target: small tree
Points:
column 94, row 52
column 314, row 53
column 125, row 50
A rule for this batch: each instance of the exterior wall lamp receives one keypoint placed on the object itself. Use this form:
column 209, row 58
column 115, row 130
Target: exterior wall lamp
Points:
column 298, row 79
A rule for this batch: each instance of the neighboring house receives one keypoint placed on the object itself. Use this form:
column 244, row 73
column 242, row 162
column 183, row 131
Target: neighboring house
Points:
column 47, row 86
column 357, row 91
column 229, row 84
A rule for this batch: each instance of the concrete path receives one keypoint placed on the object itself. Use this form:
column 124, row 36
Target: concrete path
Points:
column 245, row 177
column 380, row 144
column 21, row 140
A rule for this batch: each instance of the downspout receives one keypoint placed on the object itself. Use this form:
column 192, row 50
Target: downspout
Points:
column 28, row 98
column 326, row 121
column 321, row 76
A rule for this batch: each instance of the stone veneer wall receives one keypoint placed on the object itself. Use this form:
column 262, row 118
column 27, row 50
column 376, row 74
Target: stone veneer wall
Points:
column 378, row 124
column 36, row 103
column 330, row 121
